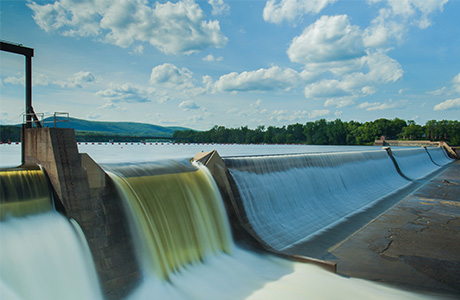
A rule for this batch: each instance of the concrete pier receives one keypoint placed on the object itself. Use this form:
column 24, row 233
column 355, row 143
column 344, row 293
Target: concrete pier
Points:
column 85, row 193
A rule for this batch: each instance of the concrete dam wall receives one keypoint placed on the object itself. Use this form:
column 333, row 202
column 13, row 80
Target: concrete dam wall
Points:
column 144, row 221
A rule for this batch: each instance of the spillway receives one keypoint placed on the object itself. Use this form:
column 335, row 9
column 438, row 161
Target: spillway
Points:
column 289, row 199
column 178, row 223
column 187, row 252
column 439, row 156
column 415, row 163
column 24, row 192
column 176, row 214
column 42, row 254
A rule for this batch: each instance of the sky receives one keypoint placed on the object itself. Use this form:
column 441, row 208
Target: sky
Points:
column 234, row 63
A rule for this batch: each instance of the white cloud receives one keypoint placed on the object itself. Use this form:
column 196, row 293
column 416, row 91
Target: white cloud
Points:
column 448, row 105
column 381, row 106
column 319, row 113
column 380, row 68
column 456, row 82
column 138, row 50
column 195, row 119
column 77, row 80
column 219, row 7
column 127, row 92
column 339, row 102
column 277, row 11
column 170, row 75
column 38, row 79
column 112, row 106
column 171, row 80
column 329, row 39
column 297, row 116
column 326, row 88
column 188, row 105
column 393, row 20
column 274, row 78
column 211, row 57
column 173, row 28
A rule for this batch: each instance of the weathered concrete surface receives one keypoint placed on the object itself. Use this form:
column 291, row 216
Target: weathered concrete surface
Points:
column 415, row 244
column 88, row 196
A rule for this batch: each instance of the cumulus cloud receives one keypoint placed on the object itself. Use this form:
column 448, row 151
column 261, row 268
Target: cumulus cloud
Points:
column 277, row 11
column 448, row 105
column 173, row 28
column 329, row 39
column 172, row 80
column 188, row 105
column 274, row 78
column 219, row 7
column 77, row 80
column 170, row 75
column 381, row 69
column 127, row 92
column 393, row 19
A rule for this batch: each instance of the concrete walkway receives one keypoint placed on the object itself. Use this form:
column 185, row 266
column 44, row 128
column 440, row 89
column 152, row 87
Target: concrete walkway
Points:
column 415, row 244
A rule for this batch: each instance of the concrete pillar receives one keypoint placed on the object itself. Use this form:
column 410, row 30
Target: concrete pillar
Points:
column 87, row 195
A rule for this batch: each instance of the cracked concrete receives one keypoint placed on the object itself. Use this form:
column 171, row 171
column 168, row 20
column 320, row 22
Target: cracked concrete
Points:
column 415, row 244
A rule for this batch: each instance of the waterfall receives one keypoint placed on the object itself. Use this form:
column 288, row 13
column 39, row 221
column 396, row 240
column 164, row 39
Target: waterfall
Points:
column 439, row 156
column 289, row 199
column 42, row 255
column 24, row 192
column 177, row 214
column 414, row 163
column 187, row 252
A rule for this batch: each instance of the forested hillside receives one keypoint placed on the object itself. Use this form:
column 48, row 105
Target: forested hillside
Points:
column 96, row 131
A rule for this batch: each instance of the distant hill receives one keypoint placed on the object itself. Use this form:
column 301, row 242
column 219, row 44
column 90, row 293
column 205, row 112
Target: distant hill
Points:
column 97, row 130
column 117, row 128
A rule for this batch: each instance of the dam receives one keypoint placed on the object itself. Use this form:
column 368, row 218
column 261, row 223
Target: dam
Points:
column 362, row 223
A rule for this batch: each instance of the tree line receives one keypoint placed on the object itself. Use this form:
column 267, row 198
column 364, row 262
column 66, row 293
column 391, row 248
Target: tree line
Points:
column 323, row 132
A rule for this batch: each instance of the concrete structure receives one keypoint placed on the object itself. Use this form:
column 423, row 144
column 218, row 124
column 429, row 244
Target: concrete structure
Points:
column 453, row 152
column 85, row 194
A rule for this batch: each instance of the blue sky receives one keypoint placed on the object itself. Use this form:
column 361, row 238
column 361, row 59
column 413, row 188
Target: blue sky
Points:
column 234, row 63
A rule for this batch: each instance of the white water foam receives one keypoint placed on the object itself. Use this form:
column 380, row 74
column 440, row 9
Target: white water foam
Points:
column 41, row 257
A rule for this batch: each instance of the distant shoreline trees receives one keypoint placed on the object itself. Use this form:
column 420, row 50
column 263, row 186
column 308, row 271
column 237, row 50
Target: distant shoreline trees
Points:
column 323, row 132
column 320, row 132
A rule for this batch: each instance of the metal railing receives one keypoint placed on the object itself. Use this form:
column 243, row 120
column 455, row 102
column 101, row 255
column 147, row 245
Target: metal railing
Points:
column 38, row 119
column 33, row 119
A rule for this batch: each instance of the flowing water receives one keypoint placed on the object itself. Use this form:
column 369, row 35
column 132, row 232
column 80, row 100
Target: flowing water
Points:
column 415, row 163
column 289, row 199
column 178, row 217
column 183, row 239
column 42, row 255
column 182, row 235
column 439, row 156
